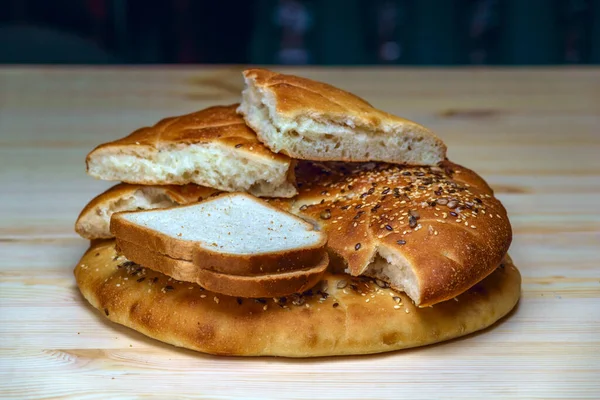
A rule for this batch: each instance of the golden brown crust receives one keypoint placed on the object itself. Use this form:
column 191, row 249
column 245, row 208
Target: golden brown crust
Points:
column 340, row 322
column 297, row 97
column 205, row 258
column 214, row 124
column 259, row 285
column 101, row 204
column 443, row 220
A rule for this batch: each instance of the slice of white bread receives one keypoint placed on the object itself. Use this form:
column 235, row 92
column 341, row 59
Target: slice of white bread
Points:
column 233, row 233
column 94, row 220
column 212, row 147
column 311, row 120
column 254, row 286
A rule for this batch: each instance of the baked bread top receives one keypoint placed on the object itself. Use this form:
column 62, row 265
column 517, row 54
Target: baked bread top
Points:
column 432, row 232
column 342, row 315
column 212, row 147
column 311, row 120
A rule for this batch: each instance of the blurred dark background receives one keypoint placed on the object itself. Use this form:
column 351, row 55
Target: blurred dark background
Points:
column 331, row 32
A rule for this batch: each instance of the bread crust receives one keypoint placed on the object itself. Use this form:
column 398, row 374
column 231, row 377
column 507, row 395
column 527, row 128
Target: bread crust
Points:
column 297, row 98
column 341, row 322
column 205, row 258
column 255, row 286
column 218, row 125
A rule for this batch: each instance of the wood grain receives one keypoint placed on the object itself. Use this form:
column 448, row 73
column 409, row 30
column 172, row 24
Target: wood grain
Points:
column 532, row 133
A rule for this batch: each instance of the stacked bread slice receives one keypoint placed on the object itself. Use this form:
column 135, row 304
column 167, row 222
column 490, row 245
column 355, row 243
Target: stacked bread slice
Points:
column 233, row 244
column 346, row 189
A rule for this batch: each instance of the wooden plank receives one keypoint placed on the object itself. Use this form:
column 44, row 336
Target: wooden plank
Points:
column 532, row 133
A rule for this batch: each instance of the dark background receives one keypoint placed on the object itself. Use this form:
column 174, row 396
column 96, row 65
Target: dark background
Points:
column 329, row 32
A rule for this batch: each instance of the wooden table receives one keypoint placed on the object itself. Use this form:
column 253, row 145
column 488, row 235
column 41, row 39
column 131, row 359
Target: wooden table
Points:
column 534, row 134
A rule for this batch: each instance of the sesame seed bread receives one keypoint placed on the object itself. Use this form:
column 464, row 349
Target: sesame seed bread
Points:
column 431, row 232
column 335, row 318
column 212, row 147
column 254, row 285
column 232, row 233
column 94, row 220
column 311, row 120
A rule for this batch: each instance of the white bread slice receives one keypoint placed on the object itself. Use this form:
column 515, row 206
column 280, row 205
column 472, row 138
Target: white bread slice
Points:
column 310, row 120
column 254, row 286
column 94, row 220
column 233, row 233
column 211, row 147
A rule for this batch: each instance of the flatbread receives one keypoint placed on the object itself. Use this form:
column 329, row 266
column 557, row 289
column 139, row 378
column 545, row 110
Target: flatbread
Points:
column 342, row 315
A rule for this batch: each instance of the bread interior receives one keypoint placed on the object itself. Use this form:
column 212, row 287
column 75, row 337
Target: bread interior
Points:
column 208, row 164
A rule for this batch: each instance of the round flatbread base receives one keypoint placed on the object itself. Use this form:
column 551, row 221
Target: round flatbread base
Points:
column 342, row 315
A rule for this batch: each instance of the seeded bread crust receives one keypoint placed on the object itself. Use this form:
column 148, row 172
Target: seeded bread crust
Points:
column 441, row 227
column 207, row 259
column 332, row 319
column 242, row 162
column 94, row 220
column 311, row 120
column 251, row 286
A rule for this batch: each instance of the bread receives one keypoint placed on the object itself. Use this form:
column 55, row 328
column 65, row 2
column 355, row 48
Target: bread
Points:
column 332, row 319
column 212, row 147
column 311, row 120
column 232, row 233
column 268, row 284
column 430, row 267
column 431, row 232
column 93, row 221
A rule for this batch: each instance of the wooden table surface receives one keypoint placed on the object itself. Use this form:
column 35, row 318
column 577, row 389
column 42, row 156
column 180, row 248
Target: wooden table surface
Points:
column 534, row 134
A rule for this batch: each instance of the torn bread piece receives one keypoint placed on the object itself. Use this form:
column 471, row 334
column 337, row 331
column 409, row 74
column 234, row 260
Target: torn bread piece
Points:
column 212, row 147
column 311, row 120
column 232, row 233
column 94, row 220
column 432, row 232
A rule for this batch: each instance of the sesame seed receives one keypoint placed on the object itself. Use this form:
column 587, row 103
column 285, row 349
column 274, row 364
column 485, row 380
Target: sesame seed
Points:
column 326, row 214
column 357, row 246
column 216, row 299
column 342, row 284
column 389, row 228
column 397, row 307
column 401, row 242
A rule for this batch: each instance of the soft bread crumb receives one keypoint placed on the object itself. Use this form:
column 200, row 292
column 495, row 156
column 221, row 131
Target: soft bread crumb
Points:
column 210, row 164
column 96, row 224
